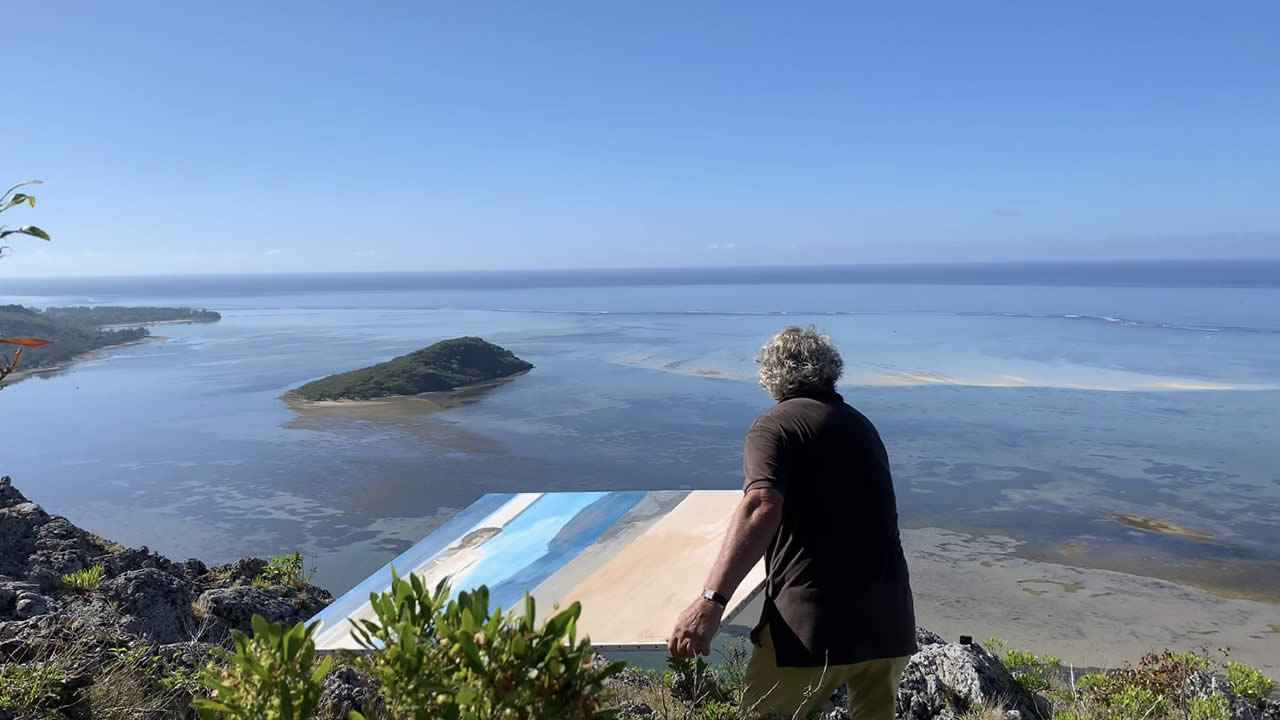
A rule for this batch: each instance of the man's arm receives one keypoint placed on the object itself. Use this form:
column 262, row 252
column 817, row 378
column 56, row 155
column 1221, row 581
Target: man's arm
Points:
column 752, row 527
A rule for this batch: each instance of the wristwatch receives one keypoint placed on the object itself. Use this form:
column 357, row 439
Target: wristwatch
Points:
column 715, row 598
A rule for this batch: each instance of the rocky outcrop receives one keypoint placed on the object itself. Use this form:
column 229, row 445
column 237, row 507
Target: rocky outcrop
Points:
column 182, row 609
column 347, row 690
column 945, row 681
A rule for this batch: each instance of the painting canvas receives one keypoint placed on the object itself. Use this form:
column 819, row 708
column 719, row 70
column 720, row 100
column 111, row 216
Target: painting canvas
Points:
column 633, row 559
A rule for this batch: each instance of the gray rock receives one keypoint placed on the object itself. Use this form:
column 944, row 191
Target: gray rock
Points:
column 130, row 559
column 18, row 525
column 10, row 590
column 30, row 605
column 155, row 605
column 637, row 711
column 190, row 655
column 632, row 677
column 242, row 571
column 346, row 690
column 9, row 495
column 944, row 681
column 20, row 600
column 23, row 640
column 194, row 568
column 924, row 638
column 233, row 608
column 236, row 606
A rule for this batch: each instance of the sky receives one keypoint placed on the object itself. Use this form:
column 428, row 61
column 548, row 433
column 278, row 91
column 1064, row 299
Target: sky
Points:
column 282, row 136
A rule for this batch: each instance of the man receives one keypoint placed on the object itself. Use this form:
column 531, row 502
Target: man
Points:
column 819, row 505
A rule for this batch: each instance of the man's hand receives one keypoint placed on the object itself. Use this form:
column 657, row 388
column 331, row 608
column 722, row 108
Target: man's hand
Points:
column 694, row 629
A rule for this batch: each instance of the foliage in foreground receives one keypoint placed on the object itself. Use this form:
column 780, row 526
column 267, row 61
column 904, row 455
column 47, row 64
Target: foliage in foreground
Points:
column 1248, row 682
column 460, row 659
column 1162, row 686
column 432, row 658
column 272, row 676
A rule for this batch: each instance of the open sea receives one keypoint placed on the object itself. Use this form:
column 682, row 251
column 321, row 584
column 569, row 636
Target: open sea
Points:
column 1119, row 416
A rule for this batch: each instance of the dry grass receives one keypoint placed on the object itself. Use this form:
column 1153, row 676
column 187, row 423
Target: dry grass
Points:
column 984, row 713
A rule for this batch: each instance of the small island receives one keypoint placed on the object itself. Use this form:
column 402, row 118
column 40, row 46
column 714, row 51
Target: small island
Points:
column 447, row 365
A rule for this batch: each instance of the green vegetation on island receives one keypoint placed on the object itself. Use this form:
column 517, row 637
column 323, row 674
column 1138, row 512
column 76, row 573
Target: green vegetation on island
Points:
column 446, row 365
column 107, row 315
column 72, row 332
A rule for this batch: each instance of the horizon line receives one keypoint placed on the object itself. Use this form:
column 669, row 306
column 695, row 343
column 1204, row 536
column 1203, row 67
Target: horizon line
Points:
column 667, row 268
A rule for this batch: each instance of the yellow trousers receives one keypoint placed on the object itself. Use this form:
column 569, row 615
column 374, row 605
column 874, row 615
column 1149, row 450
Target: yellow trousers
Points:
column 794, row 692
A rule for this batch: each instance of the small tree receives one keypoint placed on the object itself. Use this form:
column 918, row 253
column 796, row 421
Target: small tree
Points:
column 10, row 199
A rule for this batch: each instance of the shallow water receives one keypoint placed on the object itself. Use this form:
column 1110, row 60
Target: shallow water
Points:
column 1038, row 411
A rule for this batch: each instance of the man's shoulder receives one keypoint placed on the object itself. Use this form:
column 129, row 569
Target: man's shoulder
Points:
column 808, row 406
column 813, row 411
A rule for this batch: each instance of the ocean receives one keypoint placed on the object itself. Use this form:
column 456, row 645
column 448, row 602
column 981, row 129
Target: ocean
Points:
column 1120, row 416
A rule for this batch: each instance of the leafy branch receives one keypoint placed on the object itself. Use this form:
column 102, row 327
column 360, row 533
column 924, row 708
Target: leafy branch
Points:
column 8, row 200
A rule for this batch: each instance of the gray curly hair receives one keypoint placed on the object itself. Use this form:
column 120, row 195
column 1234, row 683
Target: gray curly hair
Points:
column 798, row 360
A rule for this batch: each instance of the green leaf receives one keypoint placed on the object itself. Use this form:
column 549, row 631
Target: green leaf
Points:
column 466, row 696
column 557, row 625
column 260, row 627
column 34, row 231
column 471, row 651
column 325, row 666
column 18, row 199
column 290, row 645
column 468, row 621
column 286, row 701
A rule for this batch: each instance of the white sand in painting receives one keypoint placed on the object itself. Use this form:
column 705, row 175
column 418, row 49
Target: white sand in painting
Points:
column 636, row 595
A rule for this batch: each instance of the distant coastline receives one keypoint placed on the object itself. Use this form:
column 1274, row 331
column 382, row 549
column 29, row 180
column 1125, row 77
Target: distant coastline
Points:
column 80, row 334
column 186, row 321
column 89, row 356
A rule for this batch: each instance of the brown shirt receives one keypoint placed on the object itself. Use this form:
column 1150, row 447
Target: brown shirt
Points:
column 837, row 588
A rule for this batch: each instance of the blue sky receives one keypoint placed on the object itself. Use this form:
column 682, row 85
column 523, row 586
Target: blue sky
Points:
column 274, row 136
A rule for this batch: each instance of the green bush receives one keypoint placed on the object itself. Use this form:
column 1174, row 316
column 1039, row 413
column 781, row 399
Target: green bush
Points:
column 1248, row 682
column 271, row 676
column 1158, row 688
column 458, row 659
column 1135, row 702
column 32, row 689
column 1213, row 707
column 283, row 570
column 1033, row 672
column 88, row 579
